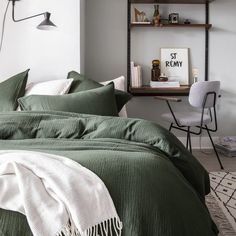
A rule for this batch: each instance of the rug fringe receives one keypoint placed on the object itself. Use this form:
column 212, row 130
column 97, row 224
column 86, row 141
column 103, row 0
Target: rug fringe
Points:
column 219, row 217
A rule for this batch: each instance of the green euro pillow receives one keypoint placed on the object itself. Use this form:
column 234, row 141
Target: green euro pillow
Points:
column 99, row 101
column 81, row 83
column 12, row 89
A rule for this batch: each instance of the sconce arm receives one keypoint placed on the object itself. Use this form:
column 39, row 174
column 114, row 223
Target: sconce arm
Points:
column 26, row 18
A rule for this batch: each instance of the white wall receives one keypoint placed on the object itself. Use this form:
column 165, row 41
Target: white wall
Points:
column 106, row 37
column 82, row 35
column 49, row 54
column 222, row 65
column 105, row 25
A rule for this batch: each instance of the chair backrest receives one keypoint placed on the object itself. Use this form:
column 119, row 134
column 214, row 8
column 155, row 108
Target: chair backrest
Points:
column 199, row 91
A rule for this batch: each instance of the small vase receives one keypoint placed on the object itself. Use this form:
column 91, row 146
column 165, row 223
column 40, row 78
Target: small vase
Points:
column 156, row 72
column 156, row 16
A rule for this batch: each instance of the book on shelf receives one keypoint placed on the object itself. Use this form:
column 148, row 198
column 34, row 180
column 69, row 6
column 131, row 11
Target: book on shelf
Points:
column 228, row 142
column 136, row 75
column 225, row 151
column 167, row 84
column 141, row 23
column 227, row 146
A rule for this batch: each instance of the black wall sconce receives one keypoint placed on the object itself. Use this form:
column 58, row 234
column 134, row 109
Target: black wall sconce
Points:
column 46, row 24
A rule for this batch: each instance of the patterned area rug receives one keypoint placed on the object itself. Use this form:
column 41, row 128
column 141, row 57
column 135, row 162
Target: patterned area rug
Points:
column 222, row 201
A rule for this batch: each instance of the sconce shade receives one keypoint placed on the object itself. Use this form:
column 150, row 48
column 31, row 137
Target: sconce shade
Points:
column 46, row 24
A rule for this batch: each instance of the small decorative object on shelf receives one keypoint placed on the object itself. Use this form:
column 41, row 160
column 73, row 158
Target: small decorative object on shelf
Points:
column 140, row 17
column 156, row 16
column 174, row 18
column 195, row 75
column 163, row 78
column 187, row 22
column 156, row 71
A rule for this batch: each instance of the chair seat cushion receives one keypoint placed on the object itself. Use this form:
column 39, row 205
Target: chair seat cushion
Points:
column 187, row 118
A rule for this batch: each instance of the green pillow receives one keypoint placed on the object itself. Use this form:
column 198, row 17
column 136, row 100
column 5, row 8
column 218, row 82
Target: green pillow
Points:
column 99, row 101
column 81, row 83
column 11, row 90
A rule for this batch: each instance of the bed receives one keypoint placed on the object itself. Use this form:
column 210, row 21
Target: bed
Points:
column 157, row 186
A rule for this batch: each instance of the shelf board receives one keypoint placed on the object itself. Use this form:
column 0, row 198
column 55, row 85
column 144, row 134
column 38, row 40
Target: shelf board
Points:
column 149, row 91
column 171, row 1
column 206, row 26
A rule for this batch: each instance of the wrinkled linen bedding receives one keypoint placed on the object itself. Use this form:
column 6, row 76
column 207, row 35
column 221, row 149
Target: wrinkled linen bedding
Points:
column 157, row 186
column 75, row 201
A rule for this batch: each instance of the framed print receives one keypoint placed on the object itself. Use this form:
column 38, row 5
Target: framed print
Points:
column 174, row 18
column 175, row 64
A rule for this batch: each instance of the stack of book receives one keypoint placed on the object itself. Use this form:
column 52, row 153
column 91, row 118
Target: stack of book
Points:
column 227, row 146
column 167, row 84
column 136, row 75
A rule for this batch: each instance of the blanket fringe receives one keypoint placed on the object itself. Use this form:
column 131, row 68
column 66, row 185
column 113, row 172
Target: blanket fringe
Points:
column 110, row 227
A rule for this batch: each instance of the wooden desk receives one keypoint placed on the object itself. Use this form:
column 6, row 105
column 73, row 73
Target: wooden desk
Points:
column 149, row 91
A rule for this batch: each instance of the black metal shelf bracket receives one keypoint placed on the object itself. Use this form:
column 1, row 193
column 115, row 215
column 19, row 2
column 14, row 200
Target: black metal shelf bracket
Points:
column 128, row 45
column 207, row 44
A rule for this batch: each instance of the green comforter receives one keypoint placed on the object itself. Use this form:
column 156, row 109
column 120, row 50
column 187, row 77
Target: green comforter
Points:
column 157, row 186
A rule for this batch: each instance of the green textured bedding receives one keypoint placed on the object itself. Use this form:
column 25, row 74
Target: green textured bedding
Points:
column 157, row 186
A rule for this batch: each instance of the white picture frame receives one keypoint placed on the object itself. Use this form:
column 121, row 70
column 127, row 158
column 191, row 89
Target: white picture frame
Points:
column 175, row 64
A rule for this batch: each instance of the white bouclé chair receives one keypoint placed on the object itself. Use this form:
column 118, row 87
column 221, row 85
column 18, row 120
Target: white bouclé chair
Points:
column 202, row 95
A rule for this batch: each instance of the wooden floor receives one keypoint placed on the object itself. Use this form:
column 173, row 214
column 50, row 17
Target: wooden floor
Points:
column 210, row 162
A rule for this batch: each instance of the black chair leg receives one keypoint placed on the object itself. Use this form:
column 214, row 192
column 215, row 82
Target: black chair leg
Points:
column 189, row 140
column 170, row 127
column 217, row 155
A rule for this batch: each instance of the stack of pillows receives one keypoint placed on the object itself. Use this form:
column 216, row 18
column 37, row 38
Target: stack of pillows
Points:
column 75, row 94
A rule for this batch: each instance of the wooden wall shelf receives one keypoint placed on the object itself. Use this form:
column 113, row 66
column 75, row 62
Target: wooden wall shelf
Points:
column 206, row 26
column 183, row 90
column 149, row 91
column 171, row 1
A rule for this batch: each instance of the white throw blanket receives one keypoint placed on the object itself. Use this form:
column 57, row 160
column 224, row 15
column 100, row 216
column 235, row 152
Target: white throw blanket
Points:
column 57, row 195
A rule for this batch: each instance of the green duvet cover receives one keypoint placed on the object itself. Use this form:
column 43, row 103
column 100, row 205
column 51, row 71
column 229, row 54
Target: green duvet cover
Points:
column 157, row 186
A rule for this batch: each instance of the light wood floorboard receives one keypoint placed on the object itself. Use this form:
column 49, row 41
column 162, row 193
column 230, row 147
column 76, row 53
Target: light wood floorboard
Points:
column 210, row 162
